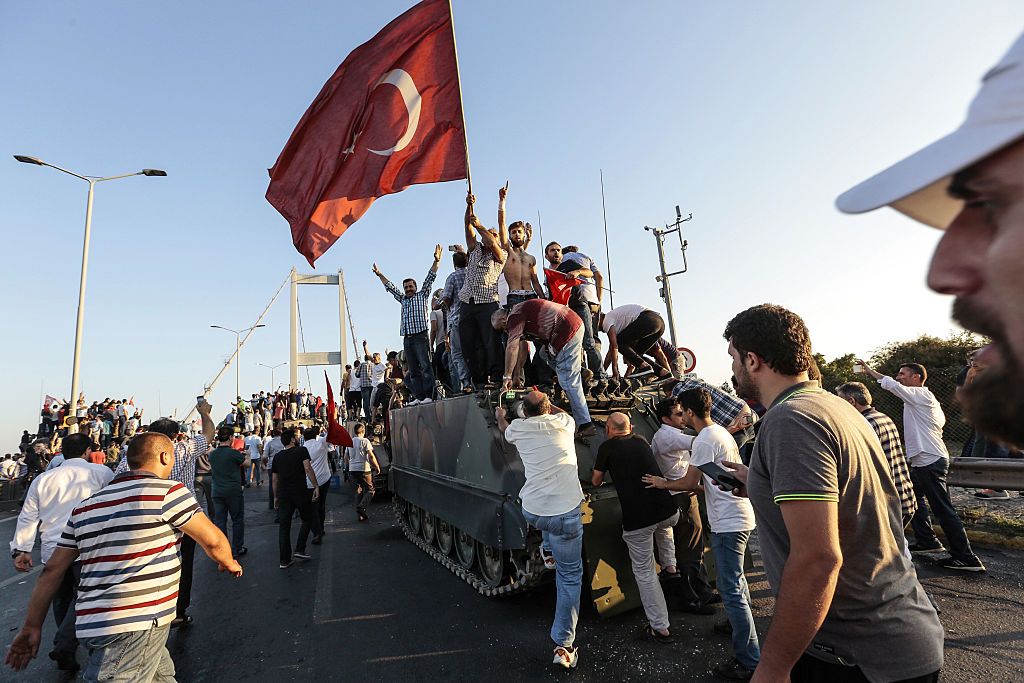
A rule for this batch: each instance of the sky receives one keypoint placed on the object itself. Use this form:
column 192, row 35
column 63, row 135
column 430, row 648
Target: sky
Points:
column 752, row 117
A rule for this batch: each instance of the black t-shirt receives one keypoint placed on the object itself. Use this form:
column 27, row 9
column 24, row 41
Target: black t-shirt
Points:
column 291, row 475
column 628, row 459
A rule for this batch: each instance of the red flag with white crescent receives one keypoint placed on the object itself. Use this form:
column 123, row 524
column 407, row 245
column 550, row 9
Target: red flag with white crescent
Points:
column 336, row 434
column 560, row 285
column 389, row 117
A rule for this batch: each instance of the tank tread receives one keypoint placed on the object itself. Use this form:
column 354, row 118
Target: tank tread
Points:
column 523, row 582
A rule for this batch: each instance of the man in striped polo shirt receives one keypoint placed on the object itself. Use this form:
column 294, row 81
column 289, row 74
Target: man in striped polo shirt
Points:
column 126, row 539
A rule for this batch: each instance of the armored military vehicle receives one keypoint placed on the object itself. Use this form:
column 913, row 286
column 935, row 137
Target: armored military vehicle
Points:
column 456, row 484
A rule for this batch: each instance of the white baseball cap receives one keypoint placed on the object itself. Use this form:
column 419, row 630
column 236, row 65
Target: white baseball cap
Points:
column 917, row 185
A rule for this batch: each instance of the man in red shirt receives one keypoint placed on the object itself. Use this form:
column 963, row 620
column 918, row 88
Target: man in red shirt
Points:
column 561, row 330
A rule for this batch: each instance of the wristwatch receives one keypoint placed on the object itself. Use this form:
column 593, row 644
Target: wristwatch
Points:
column 15, row 553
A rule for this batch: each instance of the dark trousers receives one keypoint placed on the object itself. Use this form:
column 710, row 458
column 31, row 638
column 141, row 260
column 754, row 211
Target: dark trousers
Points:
column 188, row 554
column 289, row 504
column 353, row 400
column 481, row 346
column 590, row 351
column 234, row 506
column 688, row 535
column 362, row 487
column 64, row 611
column 639, row 336
column 204, row 493
column 808, row 669
column 421, row 374
column 320, row 510
column 930, row 488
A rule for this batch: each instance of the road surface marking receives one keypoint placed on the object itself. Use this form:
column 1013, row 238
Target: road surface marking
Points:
column 7, row 519
column 361, row 617
column 20, row 576
column 398, row 658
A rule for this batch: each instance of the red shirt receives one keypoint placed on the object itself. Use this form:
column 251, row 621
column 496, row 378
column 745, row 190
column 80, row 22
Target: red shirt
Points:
column 545, row 321
column 238, row 443
column 97, row 457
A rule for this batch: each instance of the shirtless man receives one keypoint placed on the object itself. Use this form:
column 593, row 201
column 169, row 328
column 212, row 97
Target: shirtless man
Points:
column 520, row 271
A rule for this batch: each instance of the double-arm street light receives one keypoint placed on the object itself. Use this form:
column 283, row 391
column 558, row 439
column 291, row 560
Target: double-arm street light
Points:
column 238, row 351
column 273, row 387
column 92, row 180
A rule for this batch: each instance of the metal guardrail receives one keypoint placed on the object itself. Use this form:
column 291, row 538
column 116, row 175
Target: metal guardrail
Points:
column 987, row 473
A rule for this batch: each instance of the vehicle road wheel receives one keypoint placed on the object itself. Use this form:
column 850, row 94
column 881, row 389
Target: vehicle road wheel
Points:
column 427, row 526
column 492, row 565
column 445, row 537
column 414, row 519
column 465, row 549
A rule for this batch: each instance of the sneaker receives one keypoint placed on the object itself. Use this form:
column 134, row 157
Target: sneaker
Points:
column 241, row 551
column 970, row 565
column 640, row 373
column 549, row 559
column 426, row 400
column 301, row 556
column 722, row 628
column 363, row 516
column 285, row 565
column 696, row 608
column 566, row 657
column 733, row 670
column 586, row 430
column 926, row 548
column 992, row 494
column 317, row 540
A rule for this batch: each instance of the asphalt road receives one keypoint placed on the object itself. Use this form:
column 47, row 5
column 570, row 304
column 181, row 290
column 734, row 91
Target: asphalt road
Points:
column 371, row 606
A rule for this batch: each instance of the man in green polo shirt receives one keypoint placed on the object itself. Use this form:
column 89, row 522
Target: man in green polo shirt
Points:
column 226, row 466
column 849, row 606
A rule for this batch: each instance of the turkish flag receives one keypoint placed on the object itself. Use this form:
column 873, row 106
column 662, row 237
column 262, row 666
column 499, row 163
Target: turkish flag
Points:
column 389, row 117
column 336, row 434
column 560, row 285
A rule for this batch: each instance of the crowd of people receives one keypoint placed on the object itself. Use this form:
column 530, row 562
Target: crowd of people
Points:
column 824, row 478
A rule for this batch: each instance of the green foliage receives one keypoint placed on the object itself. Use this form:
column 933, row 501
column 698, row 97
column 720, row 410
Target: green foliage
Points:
column 943, row 358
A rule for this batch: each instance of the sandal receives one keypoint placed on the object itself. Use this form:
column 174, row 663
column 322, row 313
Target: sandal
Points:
column 657, row 637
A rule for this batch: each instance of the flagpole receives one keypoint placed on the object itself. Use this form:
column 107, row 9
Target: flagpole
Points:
column 607, row 256
column 540, row 229
column 458, row 79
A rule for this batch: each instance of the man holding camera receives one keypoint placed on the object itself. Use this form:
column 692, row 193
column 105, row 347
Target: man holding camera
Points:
column 551, row 498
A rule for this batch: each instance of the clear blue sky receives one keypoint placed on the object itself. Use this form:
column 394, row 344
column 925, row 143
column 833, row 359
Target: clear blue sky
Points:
column 752, row 117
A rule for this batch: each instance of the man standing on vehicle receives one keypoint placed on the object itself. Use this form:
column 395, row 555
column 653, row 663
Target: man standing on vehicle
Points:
column 551, row 499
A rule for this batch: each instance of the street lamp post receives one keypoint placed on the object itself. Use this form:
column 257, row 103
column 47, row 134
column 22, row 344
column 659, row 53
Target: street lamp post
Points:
column 238, row 352
column 92, row 180
column 273, row 387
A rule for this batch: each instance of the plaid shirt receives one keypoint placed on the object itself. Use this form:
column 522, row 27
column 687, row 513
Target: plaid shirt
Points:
column 185, row 454
column 414, row 308
column 724, row 407
column 887, row 433
column 363, row 373
column 481, row 276
column 452, row 287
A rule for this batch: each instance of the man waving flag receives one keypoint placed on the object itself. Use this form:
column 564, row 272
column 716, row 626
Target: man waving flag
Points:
column 389, row 117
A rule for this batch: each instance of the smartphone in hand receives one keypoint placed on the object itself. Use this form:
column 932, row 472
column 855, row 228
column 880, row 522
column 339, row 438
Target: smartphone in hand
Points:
column 721, row 476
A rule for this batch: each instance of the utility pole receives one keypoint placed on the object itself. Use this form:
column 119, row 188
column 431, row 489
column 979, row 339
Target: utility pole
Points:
column 666, row 288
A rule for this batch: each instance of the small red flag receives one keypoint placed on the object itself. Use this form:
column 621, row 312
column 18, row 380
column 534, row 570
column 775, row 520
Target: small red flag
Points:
column 336, row 434
column 560, row 285
column 389, row 117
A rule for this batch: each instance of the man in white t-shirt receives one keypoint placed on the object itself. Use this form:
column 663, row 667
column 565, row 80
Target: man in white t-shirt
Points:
column 923, row 421
column 634, row 330
column 731, row 519
column 254, row 448
column 319, row 460
column 361, row 464
column 671, row 447
column 551, row 500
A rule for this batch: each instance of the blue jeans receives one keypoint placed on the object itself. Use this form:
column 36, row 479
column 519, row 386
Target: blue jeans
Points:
column 421, row 374
column 233, row 505
column 564, row 534
column 589, row 343
column 568, row 364
column 135, row 657
column 732, row 586
column 460, row 371
column 367, row 393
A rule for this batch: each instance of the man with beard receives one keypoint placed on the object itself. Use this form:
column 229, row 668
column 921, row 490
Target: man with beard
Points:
column 968, row 183
column 829, row 524
column 520, row 269
column 923, row 420
column 585, row 300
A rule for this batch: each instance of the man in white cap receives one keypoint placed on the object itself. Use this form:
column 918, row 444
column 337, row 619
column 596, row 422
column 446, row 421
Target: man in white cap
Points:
column 969, row 183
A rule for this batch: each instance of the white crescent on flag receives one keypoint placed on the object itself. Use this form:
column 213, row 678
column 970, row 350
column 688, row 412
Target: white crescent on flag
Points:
column 403, row 81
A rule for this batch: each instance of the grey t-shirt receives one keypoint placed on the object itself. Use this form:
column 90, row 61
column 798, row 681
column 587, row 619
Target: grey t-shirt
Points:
column 816, row 446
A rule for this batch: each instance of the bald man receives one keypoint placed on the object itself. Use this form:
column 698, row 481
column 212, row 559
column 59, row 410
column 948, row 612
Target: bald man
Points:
column 647, row 515
column 131, row 527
